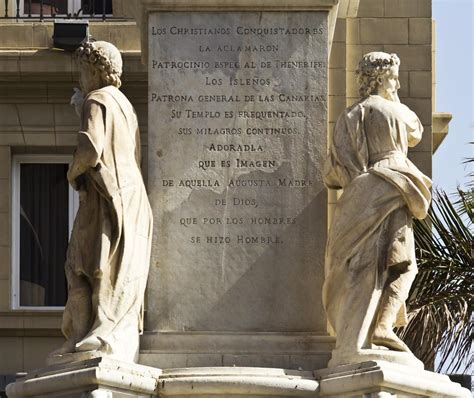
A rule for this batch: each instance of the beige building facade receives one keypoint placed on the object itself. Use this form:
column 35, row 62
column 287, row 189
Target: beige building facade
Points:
column 38, row 126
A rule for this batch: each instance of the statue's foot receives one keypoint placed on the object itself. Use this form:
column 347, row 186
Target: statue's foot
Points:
column 389, row 339
column 66, row 348
column 90, row 343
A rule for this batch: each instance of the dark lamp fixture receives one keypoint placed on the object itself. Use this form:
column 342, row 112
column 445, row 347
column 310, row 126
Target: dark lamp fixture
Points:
column 70, row 33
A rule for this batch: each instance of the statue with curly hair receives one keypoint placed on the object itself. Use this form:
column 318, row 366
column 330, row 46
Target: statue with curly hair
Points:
column 109, row 251
column 370, row 254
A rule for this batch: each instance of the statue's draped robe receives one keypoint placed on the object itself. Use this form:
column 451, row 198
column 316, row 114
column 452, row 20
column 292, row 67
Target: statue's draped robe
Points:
column 371, row 229
column 108, row 256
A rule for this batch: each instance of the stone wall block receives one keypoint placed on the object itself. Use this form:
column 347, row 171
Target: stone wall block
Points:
column 258, row 360
column 125, row 36
column 422, row 160
column 384, row 31
column 36, row 117
column 355, row 52
column 9, row 65
column 51, row 62
column 4, row 263
column 65, row 117
column 43, row 35
column 337, row 104
column 309, row 361
column 62, row 139
column 370, row 8
column 337, row 82
column 4, row 229
column 353, row 31
column 352, row 87
column 39, row 139
column 36, row 349
column 413, row 57
column 422, row 107
column 420, row 84
column 404, row 84
column 15, row 35
column 21, row 92
column 12, row 139
column 5, row 161
column 9, row 121
column 4, row 196
column 340, row 31
column 337, row 59
column 426, row 143
column 407, row 8
column 4, row 296
column 60, row 93
column 181, row 360
column 100, row 31
column 12, row 355
column 420, row 31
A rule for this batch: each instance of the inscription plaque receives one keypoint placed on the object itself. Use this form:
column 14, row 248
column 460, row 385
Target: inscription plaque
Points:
column 237, row 137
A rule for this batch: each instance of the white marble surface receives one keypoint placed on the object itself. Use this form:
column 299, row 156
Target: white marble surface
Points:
column 99, row 377
column 244, row 251
column 108, row 378
column 370, row 255
column 381, row 377
column 108, row 254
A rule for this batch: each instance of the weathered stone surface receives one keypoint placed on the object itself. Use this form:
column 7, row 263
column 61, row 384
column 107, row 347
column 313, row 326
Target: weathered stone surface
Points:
column 99, row 377
column 108, row 255
column 370, row 254
column 237, row 136
column 383, row 379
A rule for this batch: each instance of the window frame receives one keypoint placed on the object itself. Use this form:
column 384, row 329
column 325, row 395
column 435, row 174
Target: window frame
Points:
column 73, row 205
column 73, row 6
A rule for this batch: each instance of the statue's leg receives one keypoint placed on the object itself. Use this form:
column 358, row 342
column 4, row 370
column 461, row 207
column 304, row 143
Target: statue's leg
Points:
column 359, row 305
column 394, row 296
column 90, row 341
column 77, row 313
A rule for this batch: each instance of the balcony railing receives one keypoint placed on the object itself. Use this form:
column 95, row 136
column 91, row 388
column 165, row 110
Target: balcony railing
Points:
column 44, row 10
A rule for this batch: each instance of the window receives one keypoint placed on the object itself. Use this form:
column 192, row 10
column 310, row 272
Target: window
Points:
column 65, row 7
column 43, row 210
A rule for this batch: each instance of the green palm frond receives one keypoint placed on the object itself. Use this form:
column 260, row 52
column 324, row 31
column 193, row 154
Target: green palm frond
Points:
column 442, row 296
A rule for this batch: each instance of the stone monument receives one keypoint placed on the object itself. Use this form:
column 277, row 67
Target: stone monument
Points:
column 370, row 254
column 237, row 145
column 108, row 255
column 237, row 140
column 370, row 258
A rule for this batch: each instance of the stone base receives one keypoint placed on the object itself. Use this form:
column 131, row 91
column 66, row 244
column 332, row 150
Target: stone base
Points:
column 379, row 379
column 94, row 378
column 206, row 349
column 108, row 378
column 235, row 382
column 339, row 358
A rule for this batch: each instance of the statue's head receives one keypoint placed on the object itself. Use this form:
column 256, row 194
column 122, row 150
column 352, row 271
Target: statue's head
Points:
column 378, row 74
column 100, row 65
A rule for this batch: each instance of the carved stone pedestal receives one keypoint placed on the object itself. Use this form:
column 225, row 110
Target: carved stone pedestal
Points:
column 94, row 378
column 107, row 378
column 380, row 379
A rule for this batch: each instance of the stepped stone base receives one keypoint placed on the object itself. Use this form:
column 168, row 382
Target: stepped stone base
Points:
column 108, row 378
column 382, row 379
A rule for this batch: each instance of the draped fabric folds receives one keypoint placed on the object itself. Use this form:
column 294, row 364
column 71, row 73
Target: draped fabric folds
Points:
column 108, row 256
column 371, row 228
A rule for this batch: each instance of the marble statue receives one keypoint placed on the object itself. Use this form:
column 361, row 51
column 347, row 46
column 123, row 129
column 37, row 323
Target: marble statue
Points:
column 108, row 255
column 370, row 255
